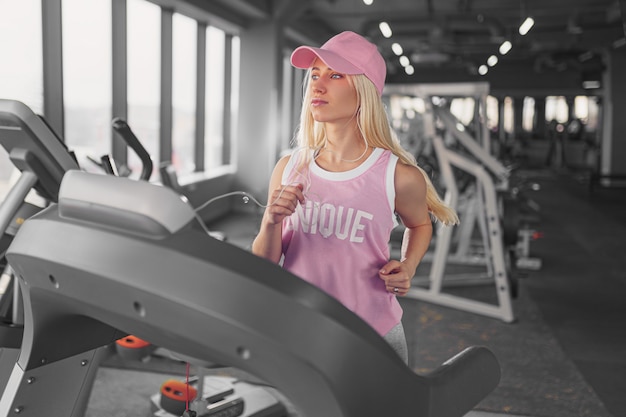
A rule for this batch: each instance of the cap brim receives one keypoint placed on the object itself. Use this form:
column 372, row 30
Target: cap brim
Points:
column 304, row 56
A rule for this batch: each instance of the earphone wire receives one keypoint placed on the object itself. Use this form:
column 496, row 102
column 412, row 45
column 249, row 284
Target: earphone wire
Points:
column 246, row 195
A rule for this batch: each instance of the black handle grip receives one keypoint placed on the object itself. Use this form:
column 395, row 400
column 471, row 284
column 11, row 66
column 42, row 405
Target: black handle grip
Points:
column 122, row 128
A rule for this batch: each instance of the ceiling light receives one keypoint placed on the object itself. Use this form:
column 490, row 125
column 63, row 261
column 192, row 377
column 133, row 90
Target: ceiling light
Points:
column 619, row 43
column 396, row 48
column 505, row 47
column 404, row 61
column 368, row 2
column 483, row 69
column 591, row 84
column 526, row 25
column 409, row 69
column 573, row 27
column 492, row 60
column 385, row 29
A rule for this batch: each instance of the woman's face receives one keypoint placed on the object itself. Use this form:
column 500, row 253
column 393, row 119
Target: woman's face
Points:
column 333, row 97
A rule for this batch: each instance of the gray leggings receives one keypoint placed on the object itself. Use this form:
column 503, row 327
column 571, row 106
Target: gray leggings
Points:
column 397, row 339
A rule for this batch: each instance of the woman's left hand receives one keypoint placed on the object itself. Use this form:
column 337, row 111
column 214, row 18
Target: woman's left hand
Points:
column 397, row 276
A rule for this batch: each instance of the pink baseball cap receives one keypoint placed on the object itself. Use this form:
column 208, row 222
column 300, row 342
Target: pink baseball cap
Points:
column 347, row 53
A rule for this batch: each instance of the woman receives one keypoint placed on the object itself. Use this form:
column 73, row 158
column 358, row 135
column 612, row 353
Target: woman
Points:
column 333, row 202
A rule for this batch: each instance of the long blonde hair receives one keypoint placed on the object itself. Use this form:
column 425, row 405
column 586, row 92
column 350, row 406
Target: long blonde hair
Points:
column 374, row 126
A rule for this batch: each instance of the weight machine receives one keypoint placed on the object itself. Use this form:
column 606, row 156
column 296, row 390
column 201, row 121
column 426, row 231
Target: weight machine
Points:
column 480, row 208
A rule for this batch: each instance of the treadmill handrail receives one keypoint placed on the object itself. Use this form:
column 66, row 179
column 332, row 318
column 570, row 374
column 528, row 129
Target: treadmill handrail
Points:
column 22, row 129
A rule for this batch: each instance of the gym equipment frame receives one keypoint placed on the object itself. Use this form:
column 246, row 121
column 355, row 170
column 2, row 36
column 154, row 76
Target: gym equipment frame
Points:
column 482, row 208
column 42, row 160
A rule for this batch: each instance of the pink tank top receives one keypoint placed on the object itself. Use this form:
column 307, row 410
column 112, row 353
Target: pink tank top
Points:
column 339, row 238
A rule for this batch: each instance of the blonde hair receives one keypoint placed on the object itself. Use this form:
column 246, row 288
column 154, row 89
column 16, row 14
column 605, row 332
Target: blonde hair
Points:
column 374, row 126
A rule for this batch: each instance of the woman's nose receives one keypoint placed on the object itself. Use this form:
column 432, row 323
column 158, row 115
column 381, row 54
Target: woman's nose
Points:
column 318, row 85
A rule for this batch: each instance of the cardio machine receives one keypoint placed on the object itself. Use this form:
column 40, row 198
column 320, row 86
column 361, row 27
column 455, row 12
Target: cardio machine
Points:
column 42, row 160
column 133, row 263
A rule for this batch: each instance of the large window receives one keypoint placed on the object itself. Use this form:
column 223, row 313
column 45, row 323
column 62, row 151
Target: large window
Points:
column 87, row 77
column 21, row 70
column 144, row 74
column 586, row 109
column 493, row 113
column 528, row 114
column 214, row 130
column 508, row 116
column 88, row 84
column 463, row 109
column 184, row 93
column 234, row 97
column 557, row 109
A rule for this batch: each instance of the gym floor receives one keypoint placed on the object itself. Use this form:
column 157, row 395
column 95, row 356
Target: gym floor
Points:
column 581, row 288
column 573, row 308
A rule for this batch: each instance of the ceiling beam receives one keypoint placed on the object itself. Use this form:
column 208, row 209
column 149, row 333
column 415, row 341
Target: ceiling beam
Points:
column 254, row 10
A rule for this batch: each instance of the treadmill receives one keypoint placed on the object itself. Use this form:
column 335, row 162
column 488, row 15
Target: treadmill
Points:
column 133, row 262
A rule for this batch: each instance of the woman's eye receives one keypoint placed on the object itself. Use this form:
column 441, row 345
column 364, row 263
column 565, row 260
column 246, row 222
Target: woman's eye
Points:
column 334, row 76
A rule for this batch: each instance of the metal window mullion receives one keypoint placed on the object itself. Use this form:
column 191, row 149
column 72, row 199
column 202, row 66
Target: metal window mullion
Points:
column 53, row 106
column 119, row 82
column 165, row 129
column 297, row 97
column 200, row 98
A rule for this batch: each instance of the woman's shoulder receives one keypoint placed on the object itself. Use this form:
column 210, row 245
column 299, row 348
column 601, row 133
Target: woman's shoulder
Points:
column 408, row 176
column 290, row 161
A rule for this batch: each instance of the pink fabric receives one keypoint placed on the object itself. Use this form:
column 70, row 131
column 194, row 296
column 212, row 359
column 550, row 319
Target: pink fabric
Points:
column 339, row 239
column 347, row 53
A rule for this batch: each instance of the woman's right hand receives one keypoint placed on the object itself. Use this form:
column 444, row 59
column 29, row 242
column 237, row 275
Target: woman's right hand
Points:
column 283, row 202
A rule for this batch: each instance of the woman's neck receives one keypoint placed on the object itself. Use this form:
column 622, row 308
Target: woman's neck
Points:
column 345, row 153
column 344, row 143
column 343, row 149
